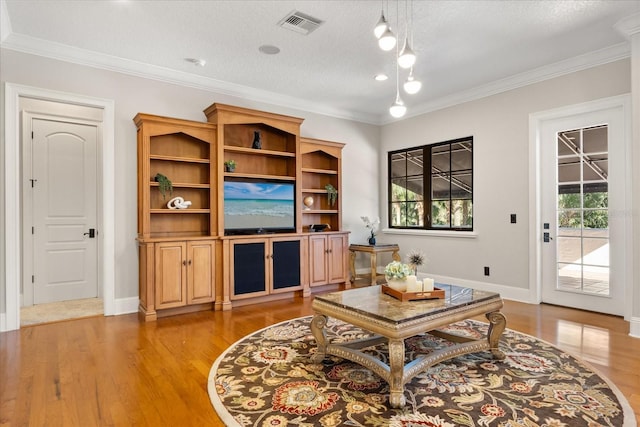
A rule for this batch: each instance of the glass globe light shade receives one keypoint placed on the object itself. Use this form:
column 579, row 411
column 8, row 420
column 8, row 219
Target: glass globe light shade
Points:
column 412, row 86
column 407, row 58
column 381, row 26
column 387, row 41
column 398, row 108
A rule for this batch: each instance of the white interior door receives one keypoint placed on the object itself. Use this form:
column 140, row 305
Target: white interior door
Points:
column 64, row 176
column 583, row 183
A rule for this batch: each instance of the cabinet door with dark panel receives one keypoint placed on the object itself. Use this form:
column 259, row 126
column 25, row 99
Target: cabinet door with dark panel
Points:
column 249, row 268
column 285, row 264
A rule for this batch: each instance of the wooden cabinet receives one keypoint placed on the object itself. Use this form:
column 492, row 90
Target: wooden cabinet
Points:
column 177, row 265
column 321, row 166
column 328, row 258
column 264, row 266
column 184, row 273
column 189, row 258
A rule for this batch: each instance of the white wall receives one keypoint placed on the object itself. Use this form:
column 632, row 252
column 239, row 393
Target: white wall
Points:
column 498, row 123
column 500, row 127
column 132, row 95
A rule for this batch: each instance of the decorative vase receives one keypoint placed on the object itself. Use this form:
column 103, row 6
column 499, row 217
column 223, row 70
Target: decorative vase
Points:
column 229, row 168
column 308, row 202
column 399, row 285
column 372, row 240
column 257, row 143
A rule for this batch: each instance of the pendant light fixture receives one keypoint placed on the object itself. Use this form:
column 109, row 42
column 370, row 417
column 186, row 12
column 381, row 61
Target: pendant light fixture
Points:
column 381, row 26
column 398, row 109
column 386, row 38
column 412, row 86
column 407, row 58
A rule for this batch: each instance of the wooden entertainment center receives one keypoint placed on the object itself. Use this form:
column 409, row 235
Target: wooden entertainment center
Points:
column 189, row 261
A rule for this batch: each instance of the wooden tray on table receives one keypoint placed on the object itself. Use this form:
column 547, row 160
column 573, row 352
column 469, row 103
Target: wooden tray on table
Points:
column 412, row 296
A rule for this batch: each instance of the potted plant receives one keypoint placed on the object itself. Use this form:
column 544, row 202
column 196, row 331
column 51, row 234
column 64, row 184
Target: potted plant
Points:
column 372, row 225
column 164, row 184
column 396, row 274
column 230, row 165
column 332, row 194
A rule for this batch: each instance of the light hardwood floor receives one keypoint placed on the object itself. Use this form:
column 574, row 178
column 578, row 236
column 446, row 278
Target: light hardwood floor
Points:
column 118, row 371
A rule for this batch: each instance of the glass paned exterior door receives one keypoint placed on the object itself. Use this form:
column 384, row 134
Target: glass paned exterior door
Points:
column 583, row 263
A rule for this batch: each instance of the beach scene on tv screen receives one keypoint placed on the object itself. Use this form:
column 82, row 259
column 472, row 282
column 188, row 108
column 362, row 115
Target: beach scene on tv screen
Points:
column 249, row 205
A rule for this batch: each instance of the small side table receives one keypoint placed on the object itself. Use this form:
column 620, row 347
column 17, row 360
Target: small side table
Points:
column 373, row 251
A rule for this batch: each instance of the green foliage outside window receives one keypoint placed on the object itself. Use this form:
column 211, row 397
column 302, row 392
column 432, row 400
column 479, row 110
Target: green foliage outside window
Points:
column 594, row 215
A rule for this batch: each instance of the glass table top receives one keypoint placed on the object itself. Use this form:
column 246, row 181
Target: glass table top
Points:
column 371, row 301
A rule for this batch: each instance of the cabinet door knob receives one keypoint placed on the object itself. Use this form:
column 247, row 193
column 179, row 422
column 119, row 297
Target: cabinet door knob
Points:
column 189, row 262
column 184, row 262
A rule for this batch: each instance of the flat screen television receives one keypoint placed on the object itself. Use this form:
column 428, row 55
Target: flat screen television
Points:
column 252, row 207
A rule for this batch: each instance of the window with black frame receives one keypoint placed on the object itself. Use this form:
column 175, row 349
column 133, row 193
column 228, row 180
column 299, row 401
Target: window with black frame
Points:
column 441, row 199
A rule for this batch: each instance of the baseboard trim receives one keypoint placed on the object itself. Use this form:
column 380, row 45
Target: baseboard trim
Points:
column 3, row 322
column 634, row 327
column 126, row 305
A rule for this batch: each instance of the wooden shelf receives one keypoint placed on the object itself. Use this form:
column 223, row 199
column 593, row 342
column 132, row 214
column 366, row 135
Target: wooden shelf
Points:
column 258, row 152
column 178, row 159
column 321, row 171
column 179, row 211
column 314, row 190
column 259, row 176
column 320, row 211
column 184, row 185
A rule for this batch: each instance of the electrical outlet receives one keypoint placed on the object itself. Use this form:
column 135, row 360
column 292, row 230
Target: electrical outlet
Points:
column 486, row 271
column 513, row 218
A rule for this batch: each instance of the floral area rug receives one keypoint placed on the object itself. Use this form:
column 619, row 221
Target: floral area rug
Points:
column 267, row 380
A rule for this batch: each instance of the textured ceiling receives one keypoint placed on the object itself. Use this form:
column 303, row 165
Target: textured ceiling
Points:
column 463, row 47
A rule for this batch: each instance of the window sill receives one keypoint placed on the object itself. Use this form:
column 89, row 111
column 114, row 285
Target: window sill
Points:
column 438, row 233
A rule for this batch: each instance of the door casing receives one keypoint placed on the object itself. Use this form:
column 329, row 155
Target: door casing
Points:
column 12, row 187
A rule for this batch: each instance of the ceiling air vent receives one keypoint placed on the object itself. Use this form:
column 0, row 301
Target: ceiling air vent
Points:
column 300, row 22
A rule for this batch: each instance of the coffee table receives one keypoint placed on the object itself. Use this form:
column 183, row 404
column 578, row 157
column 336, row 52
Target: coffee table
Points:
column 393, row 321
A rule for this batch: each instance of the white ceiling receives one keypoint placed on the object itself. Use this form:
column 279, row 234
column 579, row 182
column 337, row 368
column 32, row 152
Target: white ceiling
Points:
column 465, row 49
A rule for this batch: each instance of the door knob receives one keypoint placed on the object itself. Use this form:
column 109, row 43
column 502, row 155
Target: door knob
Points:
column 91, row 233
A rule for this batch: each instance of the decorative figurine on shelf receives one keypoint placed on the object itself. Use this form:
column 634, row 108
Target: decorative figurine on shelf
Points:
column 372, row 225
column 164, row 184
column 257, row 143
column 308, row 202
column 178, row 203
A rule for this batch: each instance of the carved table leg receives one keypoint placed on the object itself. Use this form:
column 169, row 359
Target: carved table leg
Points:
column 318, row 323
column 374, row 268
column 352, row 265
column 396, row 365
column 497, row 324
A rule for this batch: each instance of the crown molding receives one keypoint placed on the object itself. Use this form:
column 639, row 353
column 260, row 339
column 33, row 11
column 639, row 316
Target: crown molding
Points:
column 45, row 48
column 62, row 52
column 629, row 25
column 568, row 66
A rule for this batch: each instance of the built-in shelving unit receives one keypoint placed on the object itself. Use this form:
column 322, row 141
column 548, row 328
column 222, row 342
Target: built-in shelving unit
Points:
column 187, row 260
column 321, row 166
column 177, row 252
